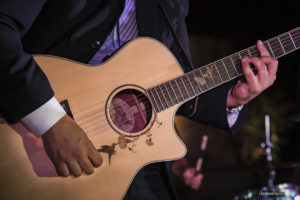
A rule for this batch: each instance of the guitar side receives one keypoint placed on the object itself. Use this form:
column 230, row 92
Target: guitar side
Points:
column 143, row 63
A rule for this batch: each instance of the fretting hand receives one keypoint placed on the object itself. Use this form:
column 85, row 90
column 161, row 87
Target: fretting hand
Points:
column 266, row 66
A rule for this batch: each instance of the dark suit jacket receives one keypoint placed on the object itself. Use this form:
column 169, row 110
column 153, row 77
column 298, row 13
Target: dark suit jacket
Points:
column 75, row 29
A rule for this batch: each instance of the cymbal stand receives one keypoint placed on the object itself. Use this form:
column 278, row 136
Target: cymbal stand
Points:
column 268, row 147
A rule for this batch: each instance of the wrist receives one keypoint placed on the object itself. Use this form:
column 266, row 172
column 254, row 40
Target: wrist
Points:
column 231, row 101
column 234, row 109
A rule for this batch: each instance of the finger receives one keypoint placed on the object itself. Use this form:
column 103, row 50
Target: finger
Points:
column 272, row 64
column 189, row 173
column 63, row 169
column 188, row 176
column 75, row 168
column 262, row 49
column 86, row 165
column 96, row 158
column 197, row 181
column 249, row 75
column 195, row 184
column 262, row 70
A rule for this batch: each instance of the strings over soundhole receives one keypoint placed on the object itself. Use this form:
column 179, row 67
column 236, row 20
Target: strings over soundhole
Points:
column 130, row 111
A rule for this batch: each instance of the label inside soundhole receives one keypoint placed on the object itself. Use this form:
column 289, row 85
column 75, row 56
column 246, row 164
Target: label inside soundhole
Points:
column 130, row 111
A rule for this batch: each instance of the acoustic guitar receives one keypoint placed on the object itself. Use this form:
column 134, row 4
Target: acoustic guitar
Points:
column 126, row 106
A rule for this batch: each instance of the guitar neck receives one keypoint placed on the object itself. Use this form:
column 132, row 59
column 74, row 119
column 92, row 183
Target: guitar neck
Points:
column 205, row 78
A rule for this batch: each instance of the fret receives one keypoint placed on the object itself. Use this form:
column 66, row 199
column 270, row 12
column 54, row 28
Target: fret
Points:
column 249, row 53
column 177, row 91
column 188, row 86
column 244, row 53
column 182, row 88
column 195, row 79
column 276, row 47
column 163, row 94
column 210, row 74
column 287, row 43
column 153, row 101
column 270, row 49
column 203, row 78
column 169, row 98
column 215, row 75
column 237, row 63
column 159, row 94
column 222, row 70
column 218, row 73
column 172, row 92
column 194, row 84
column 233, row 65
column 208, row 78
column 292, row 40
column 225, row 67
column 200, row 80
column 239, row 56
column 254, row 51
column 296, row 37
column 281, row 45
column 179, row 88
column 230, row 67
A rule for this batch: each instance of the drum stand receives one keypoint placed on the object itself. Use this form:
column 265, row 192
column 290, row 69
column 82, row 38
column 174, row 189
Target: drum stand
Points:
column 283, row 191
column 268, row 147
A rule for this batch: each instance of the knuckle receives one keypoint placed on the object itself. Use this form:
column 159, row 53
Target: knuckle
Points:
column 256, row 89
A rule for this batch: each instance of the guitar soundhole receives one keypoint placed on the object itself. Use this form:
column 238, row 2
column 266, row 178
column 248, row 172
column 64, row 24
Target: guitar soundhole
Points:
column 130, row 111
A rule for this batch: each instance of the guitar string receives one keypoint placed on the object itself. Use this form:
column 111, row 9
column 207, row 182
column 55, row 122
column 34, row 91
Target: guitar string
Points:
column 93, row 125
column 222, row 71
column 184, row 82
column 222, row 74
column 277, row 47
column 225, row 73
column 163, row 89
column 105, row 115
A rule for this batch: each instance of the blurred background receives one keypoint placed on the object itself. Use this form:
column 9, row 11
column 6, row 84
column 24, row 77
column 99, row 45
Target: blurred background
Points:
column 233, row 165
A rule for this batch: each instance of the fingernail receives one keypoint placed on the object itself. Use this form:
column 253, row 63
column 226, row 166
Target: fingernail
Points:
column 245, row 59
column 260, row 42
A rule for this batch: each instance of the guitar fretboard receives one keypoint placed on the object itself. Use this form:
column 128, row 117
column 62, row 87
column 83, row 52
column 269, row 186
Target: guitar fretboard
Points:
column 205, row 78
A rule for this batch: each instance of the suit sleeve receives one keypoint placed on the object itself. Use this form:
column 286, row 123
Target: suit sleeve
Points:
column 210, row 107
column 23, row 86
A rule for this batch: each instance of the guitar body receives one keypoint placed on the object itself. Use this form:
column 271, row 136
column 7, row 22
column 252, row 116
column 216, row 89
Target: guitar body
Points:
column 95, row 95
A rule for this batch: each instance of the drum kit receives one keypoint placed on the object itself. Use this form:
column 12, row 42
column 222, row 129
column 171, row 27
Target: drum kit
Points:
column 283, row 191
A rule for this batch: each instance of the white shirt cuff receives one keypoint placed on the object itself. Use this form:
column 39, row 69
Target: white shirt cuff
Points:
column 232, row 117
column 44, row 117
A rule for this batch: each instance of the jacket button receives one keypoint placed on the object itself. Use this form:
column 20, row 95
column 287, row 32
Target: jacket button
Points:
column 96, row 44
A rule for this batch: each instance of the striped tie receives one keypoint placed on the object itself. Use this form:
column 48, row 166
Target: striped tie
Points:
column 127, row 23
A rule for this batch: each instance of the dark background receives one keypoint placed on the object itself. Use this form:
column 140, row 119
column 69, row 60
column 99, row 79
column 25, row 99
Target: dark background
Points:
column 236, row 164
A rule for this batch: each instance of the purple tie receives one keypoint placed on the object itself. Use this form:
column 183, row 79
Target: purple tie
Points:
column 127, row 23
